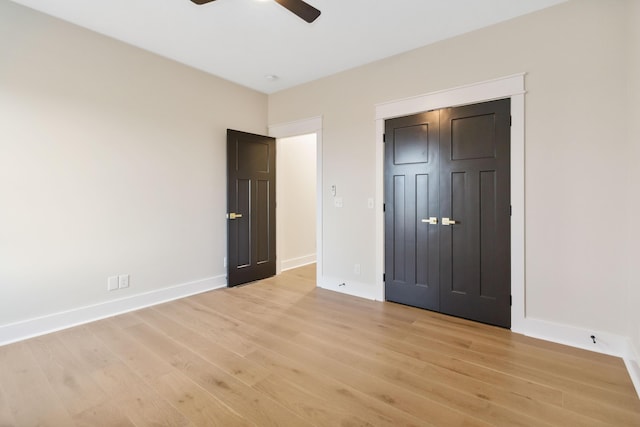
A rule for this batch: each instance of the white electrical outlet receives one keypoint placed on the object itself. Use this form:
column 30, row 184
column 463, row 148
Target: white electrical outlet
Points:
column 123, row 281
column 112, row 283
column 337, row 202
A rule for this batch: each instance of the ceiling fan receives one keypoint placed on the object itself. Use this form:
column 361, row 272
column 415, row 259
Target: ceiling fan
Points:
column 299, row 7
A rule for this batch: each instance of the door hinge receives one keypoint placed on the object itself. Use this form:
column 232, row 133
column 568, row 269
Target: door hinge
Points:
column 384, row 277
column 384, row 207
column 510, row 300
column 510, row 210
column 510, row 121
column 384, row 137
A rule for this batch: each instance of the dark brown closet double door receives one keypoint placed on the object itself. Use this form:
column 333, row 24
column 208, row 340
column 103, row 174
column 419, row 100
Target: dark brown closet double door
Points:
column 447, row 211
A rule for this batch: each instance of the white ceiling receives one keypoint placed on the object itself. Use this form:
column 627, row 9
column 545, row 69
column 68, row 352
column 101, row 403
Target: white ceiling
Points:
column 245, row 40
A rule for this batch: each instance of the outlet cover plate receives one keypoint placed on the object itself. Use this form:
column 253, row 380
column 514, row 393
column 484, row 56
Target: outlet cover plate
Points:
column 123, row 281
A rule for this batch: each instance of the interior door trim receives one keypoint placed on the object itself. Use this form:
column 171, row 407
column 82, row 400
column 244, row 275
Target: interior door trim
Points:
column 506, row 87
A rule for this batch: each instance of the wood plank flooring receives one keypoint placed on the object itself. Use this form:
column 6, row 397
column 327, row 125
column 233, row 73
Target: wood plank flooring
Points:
column 281, row 352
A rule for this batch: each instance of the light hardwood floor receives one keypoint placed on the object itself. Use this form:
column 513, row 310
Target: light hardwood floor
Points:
column 281, row 352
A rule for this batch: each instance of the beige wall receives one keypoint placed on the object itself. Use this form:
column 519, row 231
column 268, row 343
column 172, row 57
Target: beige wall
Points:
column 112, row 161
column 296, row 170
column 575, row 56
column 634, row 167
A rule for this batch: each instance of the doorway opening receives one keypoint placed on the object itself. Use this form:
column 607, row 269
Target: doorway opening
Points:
column 292, row 129
column 296, row 183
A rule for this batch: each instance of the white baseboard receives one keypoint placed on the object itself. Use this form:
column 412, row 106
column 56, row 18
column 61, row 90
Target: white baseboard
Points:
column 298, row 262
column 349, row 287
column 30, row 328
column 607, row 343
column 632, row 362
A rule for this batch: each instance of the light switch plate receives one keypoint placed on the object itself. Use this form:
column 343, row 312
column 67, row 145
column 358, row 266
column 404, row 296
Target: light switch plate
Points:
column 112, row 283
column 337, row 202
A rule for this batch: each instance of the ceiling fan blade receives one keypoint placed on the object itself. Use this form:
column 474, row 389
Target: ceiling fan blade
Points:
column 300, row 8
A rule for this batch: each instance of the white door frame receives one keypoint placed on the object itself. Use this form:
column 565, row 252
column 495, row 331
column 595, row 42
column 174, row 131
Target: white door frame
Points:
column 505, row 87
column 286, row 130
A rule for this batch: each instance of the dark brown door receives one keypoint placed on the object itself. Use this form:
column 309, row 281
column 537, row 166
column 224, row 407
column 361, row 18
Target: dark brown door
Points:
column 474, row 193
column 411, row 201
column 251, row 180
column 471, row 206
